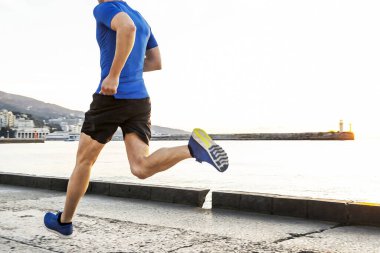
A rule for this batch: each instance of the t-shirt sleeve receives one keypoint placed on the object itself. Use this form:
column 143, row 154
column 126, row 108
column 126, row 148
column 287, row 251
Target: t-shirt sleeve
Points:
column 152, row 43
column 105, row 12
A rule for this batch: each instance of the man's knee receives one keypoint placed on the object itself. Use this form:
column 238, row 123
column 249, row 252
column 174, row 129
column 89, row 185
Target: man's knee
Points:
column 83, row 162
column 140, row 169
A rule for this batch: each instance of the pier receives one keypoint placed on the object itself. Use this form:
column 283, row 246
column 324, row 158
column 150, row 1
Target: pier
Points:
column 311, row 136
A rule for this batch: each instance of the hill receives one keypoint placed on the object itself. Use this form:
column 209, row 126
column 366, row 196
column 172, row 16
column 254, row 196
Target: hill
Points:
column 38, row 109
column 169, row 131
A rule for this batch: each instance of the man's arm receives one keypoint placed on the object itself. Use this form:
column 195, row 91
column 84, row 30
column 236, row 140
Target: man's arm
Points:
column 152, row 60
column 125, row 39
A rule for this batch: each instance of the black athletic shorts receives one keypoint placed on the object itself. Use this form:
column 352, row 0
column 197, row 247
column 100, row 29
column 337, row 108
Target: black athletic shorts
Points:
column 106, row 114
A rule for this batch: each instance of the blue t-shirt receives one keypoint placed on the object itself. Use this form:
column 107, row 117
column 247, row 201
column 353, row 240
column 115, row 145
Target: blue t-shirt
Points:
column 131, row 83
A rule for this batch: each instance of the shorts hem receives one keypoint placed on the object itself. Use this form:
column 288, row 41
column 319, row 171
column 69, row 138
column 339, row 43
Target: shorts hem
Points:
column 96, row 139
column 142, row 137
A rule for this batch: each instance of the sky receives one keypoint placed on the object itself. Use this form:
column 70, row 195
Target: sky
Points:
column 228, row 66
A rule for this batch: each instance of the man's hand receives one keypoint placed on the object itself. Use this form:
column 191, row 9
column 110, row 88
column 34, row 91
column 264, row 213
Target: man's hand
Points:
column 109, row 85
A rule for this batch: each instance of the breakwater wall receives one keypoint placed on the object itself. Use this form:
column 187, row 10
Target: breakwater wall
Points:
column 339, row 136
column 14, row 140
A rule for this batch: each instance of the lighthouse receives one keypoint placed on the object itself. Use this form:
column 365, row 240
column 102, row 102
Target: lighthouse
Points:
column 341, row 126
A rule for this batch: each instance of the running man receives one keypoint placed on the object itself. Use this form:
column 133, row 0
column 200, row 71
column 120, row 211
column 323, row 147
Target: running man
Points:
column 127, row 49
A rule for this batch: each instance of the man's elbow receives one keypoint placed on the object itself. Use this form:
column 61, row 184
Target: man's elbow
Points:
column 155, row 64
column 158, row 66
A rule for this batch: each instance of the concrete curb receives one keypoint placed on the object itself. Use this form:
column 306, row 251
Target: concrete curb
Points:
column 343, row 212
column 185, row 196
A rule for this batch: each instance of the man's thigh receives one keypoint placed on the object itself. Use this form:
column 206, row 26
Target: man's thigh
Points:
column 137, row 149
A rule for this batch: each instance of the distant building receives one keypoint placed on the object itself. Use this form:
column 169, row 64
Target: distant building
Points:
column 11, row 119
column 57, row 136
column 158, row 134
column 56, row 121
column 7, row 119
column 63, row 120
column 32, row 133
column 65, row 128
column 24, row 123
column 75, row 128
column 3, row 118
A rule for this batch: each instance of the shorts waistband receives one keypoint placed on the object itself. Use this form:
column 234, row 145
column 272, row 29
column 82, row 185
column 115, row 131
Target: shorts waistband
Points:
column 112, row 98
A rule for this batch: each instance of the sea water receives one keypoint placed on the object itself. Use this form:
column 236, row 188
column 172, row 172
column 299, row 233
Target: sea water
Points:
column 347, row 170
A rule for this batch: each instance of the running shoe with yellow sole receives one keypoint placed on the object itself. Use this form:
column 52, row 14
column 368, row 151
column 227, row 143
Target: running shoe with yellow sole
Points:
column 204, row 149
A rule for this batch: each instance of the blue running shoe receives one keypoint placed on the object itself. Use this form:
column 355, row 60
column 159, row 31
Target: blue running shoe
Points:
column 204, row 149
column 52, row 224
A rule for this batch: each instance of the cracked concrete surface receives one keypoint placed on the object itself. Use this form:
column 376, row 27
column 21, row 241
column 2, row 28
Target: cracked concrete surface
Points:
column 295, row 235
column 105, row 224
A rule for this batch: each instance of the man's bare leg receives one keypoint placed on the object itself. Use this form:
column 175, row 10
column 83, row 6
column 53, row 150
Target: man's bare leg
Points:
column 87, row 154
column 144, row 165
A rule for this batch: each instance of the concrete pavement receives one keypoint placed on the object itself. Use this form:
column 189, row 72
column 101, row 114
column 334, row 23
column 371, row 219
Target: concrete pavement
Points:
column 109, row 224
